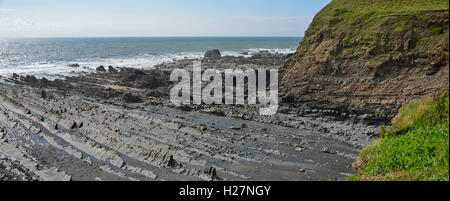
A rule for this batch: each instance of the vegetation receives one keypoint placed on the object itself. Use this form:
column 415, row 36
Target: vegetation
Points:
column 388, row 6
column 375, row 13
column 417, row 147
column 440, row 30
column 372, row 11
column 364, row 21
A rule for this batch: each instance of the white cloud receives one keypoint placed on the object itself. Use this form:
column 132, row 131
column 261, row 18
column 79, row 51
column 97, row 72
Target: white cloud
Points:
column 16, row 23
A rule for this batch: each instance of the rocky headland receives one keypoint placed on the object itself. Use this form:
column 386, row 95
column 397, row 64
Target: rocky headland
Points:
column 364, row 59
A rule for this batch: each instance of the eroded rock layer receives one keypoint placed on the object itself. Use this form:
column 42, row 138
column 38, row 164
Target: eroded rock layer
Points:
column 366, row 58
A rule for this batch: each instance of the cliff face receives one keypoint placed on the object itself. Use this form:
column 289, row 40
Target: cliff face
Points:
column 363, row 59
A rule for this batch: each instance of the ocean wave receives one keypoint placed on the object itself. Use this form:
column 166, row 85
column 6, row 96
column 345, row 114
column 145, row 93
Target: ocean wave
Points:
column 60, row 69
column 280, row 51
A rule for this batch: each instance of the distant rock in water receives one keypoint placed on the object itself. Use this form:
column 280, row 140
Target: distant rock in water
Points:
column 112, row 69
column 101, row 69
column 29, row 79
column 213, row 54
column 262, row 54
column 74, row 65
column 15, row 75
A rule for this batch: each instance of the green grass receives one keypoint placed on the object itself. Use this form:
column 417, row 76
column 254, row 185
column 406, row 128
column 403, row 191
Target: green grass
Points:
column 379, row 28
column 417, row 147
column 388, row 6
column 439, row 30
column 347, row 13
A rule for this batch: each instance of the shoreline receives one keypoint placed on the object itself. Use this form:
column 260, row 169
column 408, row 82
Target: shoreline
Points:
column 80, row 68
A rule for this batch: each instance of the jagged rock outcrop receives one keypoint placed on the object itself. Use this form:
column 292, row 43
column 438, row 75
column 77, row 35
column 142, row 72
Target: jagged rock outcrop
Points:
column 363, row 59
column 74, row 65
column 213, row 54
column 112, row 69
column 100, row 69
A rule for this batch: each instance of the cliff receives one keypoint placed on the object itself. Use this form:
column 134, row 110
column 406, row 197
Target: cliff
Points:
column 364, row 59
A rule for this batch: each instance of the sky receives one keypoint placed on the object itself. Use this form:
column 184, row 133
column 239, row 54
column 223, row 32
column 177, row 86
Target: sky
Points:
column 115, row 18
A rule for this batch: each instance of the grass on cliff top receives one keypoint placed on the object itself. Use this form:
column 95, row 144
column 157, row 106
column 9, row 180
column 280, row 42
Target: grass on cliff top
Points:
column 417, row 147
column 348, row 13
column 363, row 20
column 340, row 7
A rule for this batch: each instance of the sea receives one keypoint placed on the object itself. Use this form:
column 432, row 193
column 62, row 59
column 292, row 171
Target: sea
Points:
column 51, row 57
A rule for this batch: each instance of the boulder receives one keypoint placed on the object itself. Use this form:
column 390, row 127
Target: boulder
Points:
column 131, row 75
column 112, row 69
column 101, row 69
column 213, row 54
column 262, row 54
column 44, row 94
column 74, row 65
column 29, row 79
column 44, row 82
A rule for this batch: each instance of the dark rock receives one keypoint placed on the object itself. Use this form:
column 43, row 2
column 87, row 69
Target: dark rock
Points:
column 131, row 75
column 211, row 173
column 74, row 125
column 129, row 97
column 290, row 55
column 112, row 69
column 43, row 94
column 213, row 54
column 243, row 126
column 172, row 162
column 101, row 69
column 74, row 65
column 156, row 93
column 430, row 73
column 29, row 79
column 43, row 82
column 152, row 79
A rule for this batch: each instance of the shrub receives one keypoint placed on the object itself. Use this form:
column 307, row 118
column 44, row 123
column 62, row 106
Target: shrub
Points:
column 417, row 148
column 439, row 30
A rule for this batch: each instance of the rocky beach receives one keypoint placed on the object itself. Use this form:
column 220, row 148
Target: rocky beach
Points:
column 358, row 64
column 119, row 124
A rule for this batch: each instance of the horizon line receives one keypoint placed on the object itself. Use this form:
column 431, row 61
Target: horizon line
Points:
column 31, row 37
